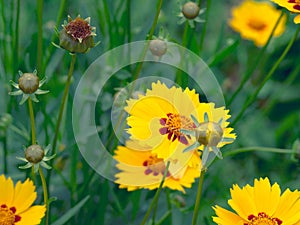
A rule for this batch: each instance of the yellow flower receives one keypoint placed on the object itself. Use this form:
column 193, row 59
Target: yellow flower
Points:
column 156, row 118
column 15, row 203
column 291, row 5
column 143, row 169
column 255, row 21
column 261, row 204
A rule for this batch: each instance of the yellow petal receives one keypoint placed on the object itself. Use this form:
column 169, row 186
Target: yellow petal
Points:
column 32, row 216
column 6, row 190
column 225, row 217
column 25, row 195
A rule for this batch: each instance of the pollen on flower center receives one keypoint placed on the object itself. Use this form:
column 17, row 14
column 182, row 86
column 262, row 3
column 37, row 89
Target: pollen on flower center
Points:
column 262, row 219
column 257, row 25
column 172, row 125
column 7, row 215
column 79, row 29
column 155, row 165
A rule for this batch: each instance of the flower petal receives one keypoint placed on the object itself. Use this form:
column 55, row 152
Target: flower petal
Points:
column 6, row 191
column 33, row 215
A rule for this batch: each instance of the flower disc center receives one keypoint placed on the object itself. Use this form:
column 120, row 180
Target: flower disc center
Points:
column 257, row 25
column 154, row 165
column 263, row 219
column 7, row 216
column 79, row 29
column 172, row 125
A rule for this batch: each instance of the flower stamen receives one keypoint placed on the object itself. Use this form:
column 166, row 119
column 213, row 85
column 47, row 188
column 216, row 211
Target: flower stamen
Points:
column 262, row 219
column 7, row 215
column 172, row 125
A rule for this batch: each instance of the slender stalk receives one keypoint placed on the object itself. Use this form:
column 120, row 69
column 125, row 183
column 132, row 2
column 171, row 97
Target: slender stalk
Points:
column 3, row 43
column 40, row 35
column 63, row 102
column 250, row 70
column 45, row 192
column 5, row 153
column 155, row 199
column 198, row 198
column 259, row 149
column 31, row 114
column 252, row 98
column 203, row 33
column 15, row 54
column 54, row 35
column 139, row 66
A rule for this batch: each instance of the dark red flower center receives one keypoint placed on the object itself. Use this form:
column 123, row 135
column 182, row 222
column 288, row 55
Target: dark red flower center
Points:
column 172, row 125
column 79, row 29
column 262, row 219
column 155, row 166
column 296, row 2
column 8, row 216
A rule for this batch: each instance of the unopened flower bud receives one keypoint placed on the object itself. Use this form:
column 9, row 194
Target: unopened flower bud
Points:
column 34, row 154
column 77, row 36
column 190, row 10
column 158, row 47
column 29, row 83
column 209, row 133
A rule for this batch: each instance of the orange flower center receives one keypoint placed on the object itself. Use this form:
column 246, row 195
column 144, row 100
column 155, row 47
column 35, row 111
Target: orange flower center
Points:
column 256, row 25
column 155, row 165
column 263, row 219
column 172, row 125
column 7, row 215
column 296, row 2
column 79, row 29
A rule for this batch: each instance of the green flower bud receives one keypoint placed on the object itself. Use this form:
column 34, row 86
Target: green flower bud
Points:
column 209, row 134
column 34, row 154
column 77, row 36
column 29, row 83
column 190, row 10
column 158, row 47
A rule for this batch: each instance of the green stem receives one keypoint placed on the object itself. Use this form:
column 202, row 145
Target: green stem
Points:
column 45, row 191
column 204, row 25
column 250, row 70
column 40, row 35
column 15, row 54
column 138, row 69
column 31, row 113
column 155, row 199
column 198, row 198
column 150, row 34
column 257, row 148
column 54, row 35
column 62, row 106
column 252, row 98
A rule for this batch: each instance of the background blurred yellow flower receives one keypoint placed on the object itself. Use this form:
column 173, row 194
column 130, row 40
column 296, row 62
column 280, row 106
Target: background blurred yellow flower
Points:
column 255, row 21
column 143, row 169
column 260, row 204
column 291, row 5
column 15, row 203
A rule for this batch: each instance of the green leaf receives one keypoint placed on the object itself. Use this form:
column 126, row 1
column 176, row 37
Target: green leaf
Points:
column 62, row 220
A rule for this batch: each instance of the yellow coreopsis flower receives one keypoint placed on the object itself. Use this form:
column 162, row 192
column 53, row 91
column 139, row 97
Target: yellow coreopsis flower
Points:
column 261, row 204
column 155, row 119
column 143, row 169
column 15, row 203
column 291, row 5
column 256, row 20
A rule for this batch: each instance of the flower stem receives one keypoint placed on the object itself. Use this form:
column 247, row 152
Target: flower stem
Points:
column 44, row 184
column 62, row 106
column 31, row 113
column 155, row 199
column 198, row 198
column 40, row 35
column 256, row 62
column 257, row 148
column 252, row 98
